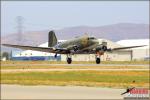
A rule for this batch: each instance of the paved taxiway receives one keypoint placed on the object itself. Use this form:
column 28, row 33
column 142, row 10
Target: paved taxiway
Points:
column 46, row 70
column 59, row 92
column 142, row 65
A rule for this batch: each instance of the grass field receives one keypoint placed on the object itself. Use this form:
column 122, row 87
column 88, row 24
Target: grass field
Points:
column 115, row 79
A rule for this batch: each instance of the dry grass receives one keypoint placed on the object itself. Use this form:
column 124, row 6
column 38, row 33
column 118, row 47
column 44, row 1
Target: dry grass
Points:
column 119, row 79
column 80, row 78
column 49, row 65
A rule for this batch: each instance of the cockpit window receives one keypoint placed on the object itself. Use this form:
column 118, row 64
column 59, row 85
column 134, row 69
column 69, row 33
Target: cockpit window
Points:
column 91, row 38
column 59, row 42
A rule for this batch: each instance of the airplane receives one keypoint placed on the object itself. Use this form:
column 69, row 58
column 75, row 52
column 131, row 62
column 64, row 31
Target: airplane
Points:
column 128, row 90
column 80, row 45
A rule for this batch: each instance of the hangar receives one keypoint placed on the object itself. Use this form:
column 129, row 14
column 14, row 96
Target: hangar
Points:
column 141, row 53
column 122, row 55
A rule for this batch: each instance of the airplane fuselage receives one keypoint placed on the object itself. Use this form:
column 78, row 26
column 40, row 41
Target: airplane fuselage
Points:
column 82, row 43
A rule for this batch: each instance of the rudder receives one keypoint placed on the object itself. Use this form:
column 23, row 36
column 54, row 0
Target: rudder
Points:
column 52, row 40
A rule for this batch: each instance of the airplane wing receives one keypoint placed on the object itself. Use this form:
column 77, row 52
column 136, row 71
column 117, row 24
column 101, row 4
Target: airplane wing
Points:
column 64, row 50
column 108, row 50
column 120, row 48
column 43, row 49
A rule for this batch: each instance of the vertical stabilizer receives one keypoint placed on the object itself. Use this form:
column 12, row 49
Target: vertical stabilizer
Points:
column 52, row 40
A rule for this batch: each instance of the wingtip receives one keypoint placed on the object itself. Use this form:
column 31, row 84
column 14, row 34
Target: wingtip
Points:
column 143, row 45
column 3, row 44
column 6, row 44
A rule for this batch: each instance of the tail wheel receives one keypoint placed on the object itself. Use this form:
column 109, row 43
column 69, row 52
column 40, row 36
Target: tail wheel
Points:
column 98, row 60
column 69, row 60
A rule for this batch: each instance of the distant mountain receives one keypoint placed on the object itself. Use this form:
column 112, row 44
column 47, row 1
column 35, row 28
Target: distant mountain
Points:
column 113, row 32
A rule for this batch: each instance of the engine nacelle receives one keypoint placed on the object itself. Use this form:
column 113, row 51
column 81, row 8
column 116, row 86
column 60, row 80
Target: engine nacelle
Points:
column 74, row 47
column 101, row 48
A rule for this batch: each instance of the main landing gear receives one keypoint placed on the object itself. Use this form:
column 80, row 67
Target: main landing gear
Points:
column 69, row 59
column 98, row 58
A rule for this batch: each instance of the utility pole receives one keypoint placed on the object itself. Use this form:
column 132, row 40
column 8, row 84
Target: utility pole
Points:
column 20, row 29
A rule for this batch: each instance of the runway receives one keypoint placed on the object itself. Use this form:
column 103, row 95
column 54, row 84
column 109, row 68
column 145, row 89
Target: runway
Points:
column 141, row 65
column 46, row 70
column 59, row 92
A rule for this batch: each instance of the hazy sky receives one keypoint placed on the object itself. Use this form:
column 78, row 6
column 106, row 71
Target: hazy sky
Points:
column 41, row 15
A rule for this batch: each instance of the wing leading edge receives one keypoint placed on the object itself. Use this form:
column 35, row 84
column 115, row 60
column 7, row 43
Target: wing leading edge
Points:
column 120, row 48
column 43, row 49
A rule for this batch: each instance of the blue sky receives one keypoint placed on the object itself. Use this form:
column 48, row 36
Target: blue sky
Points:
column 44, row 15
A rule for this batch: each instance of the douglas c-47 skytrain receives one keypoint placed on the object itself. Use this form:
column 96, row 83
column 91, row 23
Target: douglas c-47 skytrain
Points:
column 80, row 45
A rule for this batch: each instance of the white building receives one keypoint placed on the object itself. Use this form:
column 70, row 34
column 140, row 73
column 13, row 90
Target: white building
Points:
column 137, row 53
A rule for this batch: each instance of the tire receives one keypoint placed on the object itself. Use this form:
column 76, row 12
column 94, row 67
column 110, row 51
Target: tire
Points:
column 69, row 60
column 104, row 48
column 98, row 60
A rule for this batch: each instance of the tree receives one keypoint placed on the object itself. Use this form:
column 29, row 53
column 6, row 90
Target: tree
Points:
column 5, row 55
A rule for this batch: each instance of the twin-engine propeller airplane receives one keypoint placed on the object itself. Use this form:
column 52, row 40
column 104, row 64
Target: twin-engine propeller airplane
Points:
column 80, row 45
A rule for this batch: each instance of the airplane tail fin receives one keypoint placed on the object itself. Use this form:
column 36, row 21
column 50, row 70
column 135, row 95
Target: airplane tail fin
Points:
column 52, row 40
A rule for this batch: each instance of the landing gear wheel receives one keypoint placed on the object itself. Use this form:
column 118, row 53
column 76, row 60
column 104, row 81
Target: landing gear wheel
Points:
column 69, row 60
column 98, row 60
column 104, row 48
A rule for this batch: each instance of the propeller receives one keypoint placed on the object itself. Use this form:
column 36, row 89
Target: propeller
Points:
column 102, row 47
column 73, row 47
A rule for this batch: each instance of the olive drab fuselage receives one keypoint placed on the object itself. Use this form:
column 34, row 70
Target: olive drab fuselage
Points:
column 82, row 43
